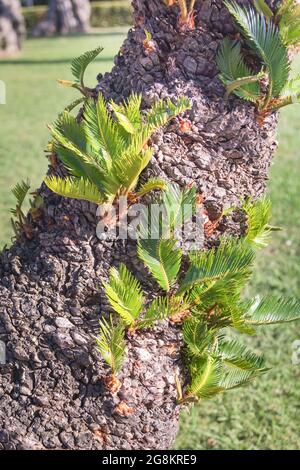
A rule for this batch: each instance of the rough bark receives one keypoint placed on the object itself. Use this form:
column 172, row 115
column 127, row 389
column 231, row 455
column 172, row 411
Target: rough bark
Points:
column 65, row 17
column 12, row 27
column 52, row 388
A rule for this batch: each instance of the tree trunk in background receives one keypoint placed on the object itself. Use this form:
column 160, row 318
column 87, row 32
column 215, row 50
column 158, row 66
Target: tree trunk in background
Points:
column 52, row 388
column 12, row 27
column 65, row 17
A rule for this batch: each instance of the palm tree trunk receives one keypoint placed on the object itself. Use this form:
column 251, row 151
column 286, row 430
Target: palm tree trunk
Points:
column 52, row 387
column 65, row 17
column 12, row 27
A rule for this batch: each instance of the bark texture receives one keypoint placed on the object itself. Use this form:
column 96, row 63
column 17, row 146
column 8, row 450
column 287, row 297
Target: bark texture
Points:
column 12, row 27
column 65, row 17
column 52, row 387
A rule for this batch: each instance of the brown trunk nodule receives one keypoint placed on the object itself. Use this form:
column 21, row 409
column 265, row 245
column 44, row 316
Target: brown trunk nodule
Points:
column 52, row 387
column 12, row 27
column 65, row 17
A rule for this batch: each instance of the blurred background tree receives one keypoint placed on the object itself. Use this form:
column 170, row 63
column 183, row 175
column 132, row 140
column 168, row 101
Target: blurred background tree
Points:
column 65, row 17
column 12, row 26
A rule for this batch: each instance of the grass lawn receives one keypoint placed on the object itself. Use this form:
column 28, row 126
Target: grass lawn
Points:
column 34, row 99
column 266, row 414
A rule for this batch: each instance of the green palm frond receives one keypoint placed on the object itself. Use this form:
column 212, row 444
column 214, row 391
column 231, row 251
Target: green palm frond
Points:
column 20, row 191
column 164, row 110
column 179, row 205
column 235, row 378
column 197, row 336
column 205, row 377
column 156, row 117
column 124, row 294
column 288, row 17
column 132, row 110
column 128, row 167
column 270, row 310
column 258, row 216
column 75, row 188
column 162, row 258
column 152, row 184
column 128, row 115
column 262, row 7
column 123, row 120
column 111, row 344
column 231, row 257
column 238, row 318
column 80, row 64
column 108, row 149
column 292, row 88
column 290, row 93
column 74, row 104
column 68, row 131
column 102, row 130
column 73, row 149
column 264, row 38
column 224, row 291
column 235, row 74
column 237, row 355
column 160, row 309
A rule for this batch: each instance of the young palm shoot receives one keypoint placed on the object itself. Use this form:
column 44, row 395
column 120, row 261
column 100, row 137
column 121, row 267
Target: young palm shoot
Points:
column 111, row 345
column 187, row 14
column 78, row 69
column 263, row 38
column 125, row 295
column 106, row 152
column 258, row 216
column 19, row 220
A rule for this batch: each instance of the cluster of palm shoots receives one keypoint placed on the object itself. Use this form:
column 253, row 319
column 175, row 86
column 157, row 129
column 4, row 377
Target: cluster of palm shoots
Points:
column 257, row 66
column 187, row 14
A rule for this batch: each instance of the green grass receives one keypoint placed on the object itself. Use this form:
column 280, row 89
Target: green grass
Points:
column 266, row 414
column 34, row 99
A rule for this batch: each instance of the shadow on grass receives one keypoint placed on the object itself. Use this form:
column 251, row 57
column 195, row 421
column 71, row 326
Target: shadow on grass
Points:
column 48, row 61
column 104, row 32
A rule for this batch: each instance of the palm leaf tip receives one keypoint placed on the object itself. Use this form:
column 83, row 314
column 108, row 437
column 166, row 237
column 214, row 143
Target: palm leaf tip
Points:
column 205, row 377
column 272, row 310
column 162, row 258
column 262, row 7
column 128, row 114
column 153, row 184
column 165, row 110
column 237, row 355
column 80, row 64
column 75, row 188
column 258, row 216
column 160, row 309
column 20, row 191
column 111, row 343
column 124, row 294
column 264, row 39
column 234, row 378
column 197, row 336
column 179, row 205
column 231, row 257
column 235, row 74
